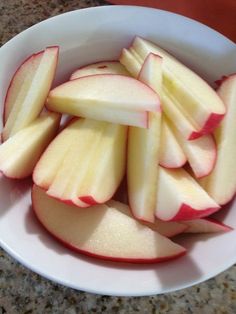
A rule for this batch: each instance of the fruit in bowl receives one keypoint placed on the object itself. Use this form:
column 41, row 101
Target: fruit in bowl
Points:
column 140, row 116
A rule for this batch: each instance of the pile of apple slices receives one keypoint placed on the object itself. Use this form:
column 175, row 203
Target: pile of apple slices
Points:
column 145, row 129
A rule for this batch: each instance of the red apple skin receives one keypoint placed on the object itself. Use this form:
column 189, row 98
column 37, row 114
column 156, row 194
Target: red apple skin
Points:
column 186, row 212
column 221, row 224
column 108, row 258
column 212, row 122
column 88, row 199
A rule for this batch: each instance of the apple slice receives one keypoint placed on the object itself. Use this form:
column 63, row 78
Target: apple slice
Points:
column 104, row 67
column 171, row 153
column 102, row 231
column 52, row 158
column 97, row 154
column 25, row 98
column 20, row 153
column 201, row 153
column 194, row 95
column 166, row 228
column 109, row 97
column 171, row 107
column 206, row 225
column 180, row 197
column 221, row 183
column 22, row 77
column 143, row 151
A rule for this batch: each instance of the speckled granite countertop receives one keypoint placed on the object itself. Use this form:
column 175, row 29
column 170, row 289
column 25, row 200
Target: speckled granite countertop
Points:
column 22, row 291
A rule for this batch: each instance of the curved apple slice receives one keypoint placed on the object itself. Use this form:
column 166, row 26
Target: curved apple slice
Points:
column 205, row 225
column 103, row 232
column 166, row 228
column 29, row 96
column 104, row 67
column 180, row 197
column 21, row 81
column 20, row 153
column 108, row 97
column 143, row 151
column 221, row 183
column 195, row 96
column 171, row 153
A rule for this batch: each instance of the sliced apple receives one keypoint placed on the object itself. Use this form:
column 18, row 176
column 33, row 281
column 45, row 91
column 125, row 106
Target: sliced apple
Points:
column 221, row 183
column 22, row 77
column 206, row 225
column 102, row 231
column 143, row 151
column 194, row 95
column 173, row 110
column 165, row 228
column 109, row 97
column 25, row 100
column 180, row 197
column 201, row 153
column 171, row 153
column 104, row 67
column 20, row 153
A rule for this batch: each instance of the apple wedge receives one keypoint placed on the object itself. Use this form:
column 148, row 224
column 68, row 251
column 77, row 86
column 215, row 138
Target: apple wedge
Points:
column 201, row 153
column 107, row 97
column 171, row 154
column 221, row 183
column 26, row 97
column 194, row 95
column 180, row 197
column 206, row 225
column 104, row 67
column 102, row 231
column 85, row 163
column 166, row 228
column 171, row 107
column 20, row 153
column 143, row 151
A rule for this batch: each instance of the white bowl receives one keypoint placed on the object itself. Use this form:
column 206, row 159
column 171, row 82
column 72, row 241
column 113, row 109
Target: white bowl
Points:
column 99, row 34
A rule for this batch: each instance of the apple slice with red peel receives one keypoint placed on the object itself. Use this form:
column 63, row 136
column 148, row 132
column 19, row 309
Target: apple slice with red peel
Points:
column 221, row 183
column 166, row 228
column 25, row 98
column 143, row 151
column 194, row 95
column 106, row 97
column 104, row 67
column 21, row 81
column 206, row 225
column 52, row 158
column 20, row 153
column 171, row 153
column 180, row 197
column 201, row 153
column 102, row 231
column 94, row 159
column 171, row 107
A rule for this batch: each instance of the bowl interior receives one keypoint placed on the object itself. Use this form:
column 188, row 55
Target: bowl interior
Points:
column 87, row 36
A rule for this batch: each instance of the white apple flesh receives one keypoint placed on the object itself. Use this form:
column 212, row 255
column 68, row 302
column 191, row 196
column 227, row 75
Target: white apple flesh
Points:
column 20, row 153
column 25, row 101
column 180, row 197
column 107, row 97
column 171, row 153
column 221, row 183
column 102, row 231
column 143, row 151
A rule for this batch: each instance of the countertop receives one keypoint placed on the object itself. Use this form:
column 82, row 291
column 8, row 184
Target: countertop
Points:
column 22, row 291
